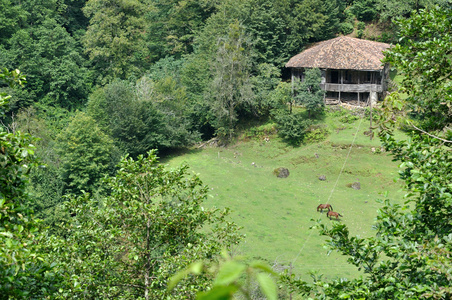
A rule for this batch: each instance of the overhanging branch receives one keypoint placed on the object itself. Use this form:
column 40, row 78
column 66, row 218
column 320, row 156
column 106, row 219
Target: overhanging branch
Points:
column 429, row 134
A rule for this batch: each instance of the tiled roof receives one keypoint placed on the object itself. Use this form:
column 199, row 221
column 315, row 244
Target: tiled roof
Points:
column 341, row 53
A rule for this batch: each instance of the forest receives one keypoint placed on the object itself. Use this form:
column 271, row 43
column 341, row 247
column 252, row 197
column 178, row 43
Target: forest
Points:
column 93, row 92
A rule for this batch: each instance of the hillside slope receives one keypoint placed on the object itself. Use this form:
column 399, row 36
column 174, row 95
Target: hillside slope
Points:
column 277, row 213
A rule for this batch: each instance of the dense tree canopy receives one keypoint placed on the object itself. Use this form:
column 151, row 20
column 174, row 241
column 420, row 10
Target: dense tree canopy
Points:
column 24, row 269
column 392, row 10
column 85, row 153
column 145, row 116
column 112, row 78
column 114, row 39
column 424, row 57
column 151, row 225
column 53, row 63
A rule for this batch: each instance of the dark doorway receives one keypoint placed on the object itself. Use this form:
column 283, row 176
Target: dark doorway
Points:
column 334, row 77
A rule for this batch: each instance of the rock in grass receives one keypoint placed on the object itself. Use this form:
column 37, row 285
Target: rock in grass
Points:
column 322, row 177
column 356, row 186
column 281, row 172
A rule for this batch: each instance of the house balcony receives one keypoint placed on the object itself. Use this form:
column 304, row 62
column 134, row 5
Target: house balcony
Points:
column 352, row 88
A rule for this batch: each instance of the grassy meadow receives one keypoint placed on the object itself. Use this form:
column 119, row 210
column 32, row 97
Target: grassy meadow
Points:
column 276, row 213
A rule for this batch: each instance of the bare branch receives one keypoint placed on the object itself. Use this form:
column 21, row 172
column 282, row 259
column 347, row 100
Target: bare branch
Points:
column 429, row 134
column 128, row 285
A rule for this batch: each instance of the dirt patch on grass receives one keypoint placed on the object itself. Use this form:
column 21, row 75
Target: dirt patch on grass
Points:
column 347, row 146
column 360, row 172
column 303, row 160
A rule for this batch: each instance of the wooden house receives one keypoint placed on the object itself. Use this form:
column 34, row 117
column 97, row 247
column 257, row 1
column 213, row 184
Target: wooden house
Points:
column 351, row 69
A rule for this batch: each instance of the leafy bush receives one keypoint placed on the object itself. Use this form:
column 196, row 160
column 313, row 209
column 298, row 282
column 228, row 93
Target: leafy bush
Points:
column 359, row 33
column 346, row 28
column 145, row 116
column 348, row 118
column 336, row 111
column 261, row 131
column 316, row 133
column 364, row 10
column 374, row 114
column 309, row 94
column 281, row 95
column 292, row 127
column 361, row 26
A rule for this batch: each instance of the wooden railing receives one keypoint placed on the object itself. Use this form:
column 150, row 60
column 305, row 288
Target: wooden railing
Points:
column 353, row 88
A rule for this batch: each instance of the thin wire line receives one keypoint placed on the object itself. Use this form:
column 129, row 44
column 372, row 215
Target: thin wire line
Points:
column 334, row 187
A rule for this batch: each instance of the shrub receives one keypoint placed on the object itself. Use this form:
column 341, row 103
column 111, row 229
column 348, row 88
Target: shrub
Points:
column 360, row 34
column 346, row 28
column 309, row 94
column 364, row 10
column 374, row 114
column 261, row 131
column 348, row 118
column 361, row 26
column 316, row 133
column 292, row 127
column 336, row 111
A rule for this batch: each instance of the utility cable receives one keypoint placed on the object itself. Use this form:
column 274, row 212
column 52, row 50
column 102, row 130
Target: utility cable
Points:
column 334, row 187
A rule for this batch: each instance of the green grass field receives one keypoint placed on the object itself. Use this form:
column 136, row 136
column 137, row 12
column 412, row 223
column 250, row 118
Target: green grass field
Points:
column 276, row 213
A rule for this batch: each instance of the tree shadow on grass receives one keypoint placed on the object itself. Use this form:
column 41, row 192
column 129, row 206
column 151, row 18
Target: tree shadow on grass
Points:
column 168, row 154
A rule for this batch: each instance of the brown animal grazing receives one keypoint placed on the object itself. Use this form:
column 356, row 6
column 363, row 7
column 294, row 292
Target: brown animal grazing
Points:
column 330, row 214
column 324, row 206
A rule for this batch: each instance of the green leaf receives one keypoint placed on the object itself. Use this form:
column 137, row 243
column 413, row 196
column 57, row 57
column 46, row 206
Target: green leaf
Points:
column 229, row 272
column 194, row 268
column 218, row 293
column 8, row 234
column 262, row 266
column 268, row 286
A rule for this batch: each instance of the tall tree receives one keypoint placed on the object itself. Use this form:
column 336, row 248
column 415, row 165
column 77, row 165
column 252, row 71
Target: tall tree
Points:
column 115, row 40
column 86, row 154
column 75, row 20
column 309, row 21
column 266, row 27
column 390, row 10
column 364, row 10
column 309, row 94
column 151, row 226
column 145, row 116
column 172, row 25
column 56, row 70
column 11, row 18
column 24, row 272
column 231, row 84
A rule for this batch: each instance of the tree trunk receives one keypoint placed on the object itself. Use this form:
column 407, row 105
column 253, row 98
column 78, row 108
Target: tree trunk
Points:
column 147, row 276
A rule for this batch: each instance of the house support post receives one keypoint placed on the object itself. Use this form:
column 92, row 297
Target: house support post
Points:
column 370, row 102
column 358, row 84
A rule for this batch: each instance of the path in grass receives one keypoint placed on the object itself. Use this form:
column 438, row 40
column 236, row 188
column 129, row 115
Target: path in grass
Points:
column 276, row 213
